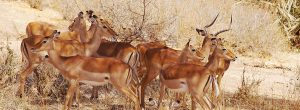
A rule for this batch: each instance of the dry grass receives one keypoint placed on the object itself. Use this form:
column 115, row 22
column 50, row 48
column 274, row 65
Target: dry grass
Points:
column 8, row 68
column 255, row 25
column 256, row 32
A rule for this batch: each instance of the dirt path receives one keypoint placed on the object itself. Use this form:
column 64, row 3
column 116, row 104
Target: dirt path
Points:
column 278, row 83
column 14, row 18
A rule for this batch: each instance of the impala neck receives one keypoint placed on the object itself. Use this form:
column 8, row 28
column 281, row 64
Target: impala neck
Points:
column 213, row 61
column 95, row 41
column 205, row 50
column 56, row 59
column 183, row 58
column 83, row 34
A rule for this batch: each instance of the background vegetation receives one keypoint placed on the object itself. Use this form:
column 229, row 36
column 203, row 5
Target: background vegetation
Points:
column 261, row 30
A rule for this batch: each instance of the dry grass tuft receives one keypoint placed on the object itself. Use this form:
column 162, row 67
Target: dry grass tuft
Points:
column 247, row 91
column 37, row 4
column 8, row 68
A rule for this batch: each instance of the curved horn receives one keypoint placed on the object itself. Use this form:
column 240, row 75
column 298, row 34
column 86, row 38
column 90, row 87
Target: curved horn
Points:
column 207, row 26
column 229, row 28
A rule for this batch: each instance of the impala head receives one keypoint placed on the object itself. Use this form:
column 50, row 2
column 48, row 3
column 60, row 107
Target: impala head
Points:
column 109, row 28
column 210, row 39
column 78, row 23
column 46, row 43
column 189, row 48
column 89, row 12
column 222, row 52
column 103, row 27
column 188, row 53
column 207, row 35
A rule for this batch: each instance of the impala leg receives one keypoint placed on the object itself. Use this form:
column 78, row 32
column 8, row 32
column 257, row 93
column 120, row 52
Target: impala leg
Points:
column 219, row 79
column 196, row 99
column 77, row 97
column 215, row 89
column 70, row 93
column 200, row 99
column 71, row 100
column 23, row 77
column 208, row 102
column 193, row 103
column 180, row 97
column 94, row 92
column 161, row 93
column 77, row 94
column 135, row 88
column 213, row 92
column 147, row 79
column 129, row 93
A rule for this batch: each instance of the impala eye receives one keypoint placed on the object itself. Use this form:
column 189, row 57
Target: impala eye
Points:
column 193, row 50
column 104, row 27
column 224, row 49
column 44, row 41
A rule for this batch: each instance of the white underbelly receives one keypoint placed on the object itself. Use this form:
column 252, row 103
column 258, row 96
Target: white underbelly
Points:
column 94, row 83
column 94, row 79
column 176, row 85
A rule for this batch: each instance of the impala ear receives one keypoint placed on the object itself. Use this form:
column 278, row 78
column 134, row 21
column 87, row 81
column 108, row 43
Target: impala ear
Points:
column 200, row 32
column 91, row 11
column 80, row 14
column 94, row 16
column 188, row 43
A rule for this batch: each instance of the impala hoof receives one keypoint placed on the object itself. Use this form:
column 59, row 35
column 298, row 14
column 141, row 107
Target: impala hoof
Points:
column 150, row 99
column 18, row 94
column 75, row 104
column 94, row 97
column 178, row 101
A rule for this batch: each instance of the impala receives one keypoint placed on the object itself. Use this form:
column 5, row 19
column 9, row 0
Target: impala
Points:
column 142, row 49
column 194, row 78
column 75, row 30
column 158, row 59
column 223, row 63
column 223, row 66
column 97, row 31
column 121, row 50
column 90, row 70
column 35, row 31
column 105, row 24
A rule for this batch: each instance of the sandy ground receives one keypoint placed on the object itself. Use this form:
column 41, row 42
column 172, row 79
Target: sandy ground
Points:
column 14, row 18
column 278, row 74
column 279, row 83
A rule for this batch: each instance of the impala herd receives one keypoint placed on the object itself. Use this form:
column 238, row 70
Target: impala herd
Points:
column 85, row 56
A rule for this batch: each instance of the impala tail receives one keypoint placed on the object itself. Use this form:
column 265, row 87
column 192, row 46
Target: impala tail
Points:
column 208, row 83
column 132, row 61
column 24, row 51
